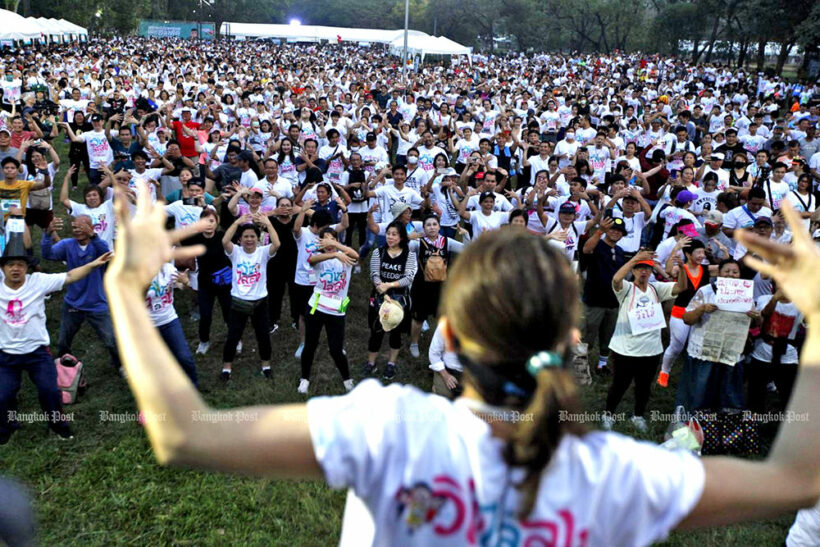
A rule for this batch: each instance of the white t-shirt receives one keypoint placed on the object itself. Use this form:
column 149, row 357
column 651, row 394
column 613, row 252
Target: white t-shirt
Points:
column 417, row 178
column 630, row 297
column 787, row 312
column 144, row 178
column 574, row 232
column 705, row 202
column 481, row 222
column 429, row 472
column 183, row 214
column 803, row 204
column 805, row 532
column 307, row 243
column 779, row 191
column 99, row 151
column 501, row 203
column 387, row 194
column 336, row 167
column 250, row 273
column 159, row 299
column 635, row 224
column 23, row 328
column 742, row 217
column 333, row 281
column 102, row 219
column 428, row 156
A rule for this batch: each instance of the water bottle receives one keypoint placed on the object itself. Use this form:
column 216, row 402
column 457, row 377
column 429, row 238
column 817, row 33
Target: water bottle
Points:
column 680, row 434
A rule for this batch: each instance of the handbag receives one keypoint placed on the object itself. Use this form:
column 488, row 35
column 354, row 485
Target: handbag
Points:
column 222, row 277
column 40, row 199
column 734, row 433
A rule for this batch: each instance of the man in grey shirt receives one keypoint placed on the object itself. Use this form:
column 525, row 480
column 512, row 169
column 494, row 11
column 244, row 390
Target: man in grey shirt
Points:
column 718, row 246
column 6, row 150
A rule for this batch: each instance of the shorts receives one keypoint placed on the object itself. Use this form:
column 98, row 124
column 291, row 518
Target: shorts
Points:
column 425, row 297
column 301, row 295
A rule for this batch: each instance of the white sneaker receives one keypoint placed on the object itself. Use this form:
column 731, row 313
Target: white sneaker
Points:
column 414, row 350
column 202, row 348
column 303, row 386
column 640, row 423
column 607, row 422
column 348, row 384
column 239, row 347
column 425, row 327
column 299, row 351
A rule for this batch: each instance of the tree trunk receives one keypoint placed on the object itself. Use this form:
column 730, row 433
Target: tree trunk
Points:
column 741, row 54
column 712, row 39
column 761, row 52
column 785, row 48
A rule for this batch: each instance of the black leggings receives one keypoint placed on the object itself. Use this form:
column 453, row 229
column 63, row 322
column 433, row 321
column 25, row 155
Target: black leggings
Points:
column 374, row 343
column 236, row 326
column 279, row 277
column 760, row 374
column 625, row 369
column 335, row 327
column 79, row 159
column 358, row 223
column 205, row 298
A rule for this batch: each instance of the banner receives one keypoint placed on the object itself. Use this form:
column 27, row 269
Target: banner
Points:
column 176, row 29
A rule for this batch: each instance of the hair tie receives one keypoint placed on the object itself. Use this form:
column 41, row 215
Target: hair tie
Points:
column 543, row 359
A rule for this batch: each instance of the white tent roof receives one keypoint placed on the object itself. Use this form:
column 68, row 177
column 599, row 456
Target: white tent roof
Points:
column 53, row 26
column 72, row 28
column 311, row 33
column 429, row 45
column 17, row 27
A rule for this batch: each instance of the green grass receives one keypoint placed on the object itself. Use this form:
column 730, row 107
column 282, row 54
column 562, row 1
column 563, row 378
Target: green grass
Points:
column 105, row 488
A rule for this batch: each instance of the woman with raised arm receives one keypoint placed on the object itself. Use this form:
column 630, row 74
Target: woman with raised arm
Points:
column 431, row 471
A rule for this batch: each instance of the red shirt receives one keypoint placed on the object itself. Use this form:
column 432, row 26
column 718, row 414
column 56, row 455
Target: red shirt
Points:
column 18, row 138
column 186, row 143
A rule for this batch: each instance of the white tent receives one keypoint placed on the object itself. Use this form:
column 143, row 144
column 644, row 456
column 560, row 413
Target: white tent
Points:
column 17, row 27
column 54, row 28
column 311, row 33
column 73, row 29
column 428, row 45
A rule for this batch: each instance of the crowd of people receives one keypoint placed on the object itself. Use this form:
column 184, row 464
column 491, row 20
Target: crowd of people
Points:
column 312, row 164
column 302, row 167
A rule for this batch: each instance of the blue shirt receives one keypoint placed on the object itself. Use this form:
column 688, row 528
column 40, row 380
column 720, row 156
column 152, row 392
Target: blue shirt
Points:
column 88, row 293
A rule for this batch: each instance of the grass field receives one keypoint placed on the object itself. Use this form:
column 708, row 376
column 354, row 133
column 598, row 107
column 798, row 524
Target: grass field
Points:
column 104, row 487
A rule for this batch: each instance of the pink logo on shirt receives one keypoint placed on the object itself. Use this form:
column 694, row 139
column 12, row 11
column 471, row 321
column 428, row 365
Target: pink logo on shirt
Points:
column 15, row 316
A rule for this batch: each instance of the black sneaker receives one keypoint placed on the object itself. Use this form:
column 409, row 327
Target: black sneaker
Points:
column 389, row 371
column 267, row 373
column 369, row 369
column 225, row 376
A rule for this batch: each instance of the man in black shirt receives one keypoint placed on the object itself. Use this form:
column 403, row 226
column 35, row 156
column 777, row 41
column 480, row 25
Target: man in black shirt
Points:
column 731, row 147
column 604, row 259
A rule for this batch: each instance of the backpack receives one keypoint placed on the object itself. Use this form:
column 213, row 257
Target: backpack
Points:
column 70, row 378
column 435, row 269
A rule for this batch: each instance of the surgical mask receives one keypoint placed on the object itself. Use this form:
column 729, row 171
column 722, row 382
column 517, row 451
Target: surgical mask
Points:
column 412, row 160
column 354, row 148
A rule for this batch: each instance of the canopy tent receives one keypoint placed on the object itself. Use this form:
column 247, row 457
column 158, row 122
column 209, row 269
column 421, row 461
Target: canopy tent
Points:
column 53, row 28
column 17, row 27
column 428, row 45
column 311, row 33
column 72, row 28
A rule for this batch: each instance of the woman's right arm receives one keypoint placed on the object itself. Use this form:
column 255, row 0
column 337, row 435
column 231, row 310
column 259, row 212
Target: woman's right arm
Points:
column 739, row 490
column 261, row 440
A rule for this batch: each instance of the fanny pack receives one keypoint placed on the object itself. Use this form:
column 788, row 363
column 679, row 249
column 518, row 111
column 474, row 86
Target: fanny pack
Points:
column 222, row 277
column 329, row 303
column 245, row 307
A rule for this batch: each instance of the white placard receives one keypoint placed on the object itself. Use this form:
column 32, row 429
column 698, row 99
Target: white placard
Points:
column 734, row 294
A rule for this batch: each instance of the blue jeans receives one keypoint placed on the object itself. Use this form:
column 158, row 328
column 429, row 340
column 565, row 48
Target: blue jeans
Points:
column 705, row 385
column 174, row 338
column 368, row 244
column 71, row 319
column 39, row 364
column 448, row 231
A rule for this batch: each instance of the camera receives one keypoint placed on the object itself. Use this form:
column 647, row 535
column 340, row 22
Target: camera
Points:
column 189, row 201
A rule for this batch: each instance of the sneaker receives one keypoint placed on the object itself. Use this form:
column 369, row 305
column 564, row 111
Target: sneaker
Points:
column 195, row 316
column 369, row 369
column 663, row 379
column 274, row 328
column 348, row 384
column 64, row 434
column 203, row 348
column 414, row 350
column 303, row 386
column 225, row 376
column 389, row 371
column 239, row 347
column 607, row 422
column 425, row 327
column 267, row 373
column 640, row 423
column 299, row 351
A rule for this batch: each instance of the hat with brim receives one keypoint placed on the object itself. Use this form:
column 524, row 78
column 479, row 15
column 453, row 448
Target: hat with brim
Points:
column 391, row 314
column 16, row 250
column 644, row 264
column 398, row 208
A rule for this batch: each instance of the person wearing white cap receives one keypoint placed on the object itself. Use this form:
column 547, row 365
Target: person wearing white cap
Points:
column 715, row 166
column 718, row 246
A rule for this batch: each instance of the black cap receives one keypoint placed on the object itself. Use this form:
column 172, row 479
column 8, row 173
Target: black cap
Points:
column 96, row 118
column 370, row 136
column 196, row 182
column 246, row 155
column 485, row 195
column 619, row 224
column 760, row 221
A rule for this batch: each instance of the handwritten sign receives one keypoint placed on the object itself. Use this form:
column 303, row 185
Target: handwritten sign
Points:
column 734, row 294
column 646, row 318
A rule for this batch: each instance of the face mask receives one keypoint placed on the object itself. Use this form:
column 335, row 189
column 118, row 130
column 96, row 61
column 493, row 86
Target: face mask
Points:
column 354, row 148
column 412, row 160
